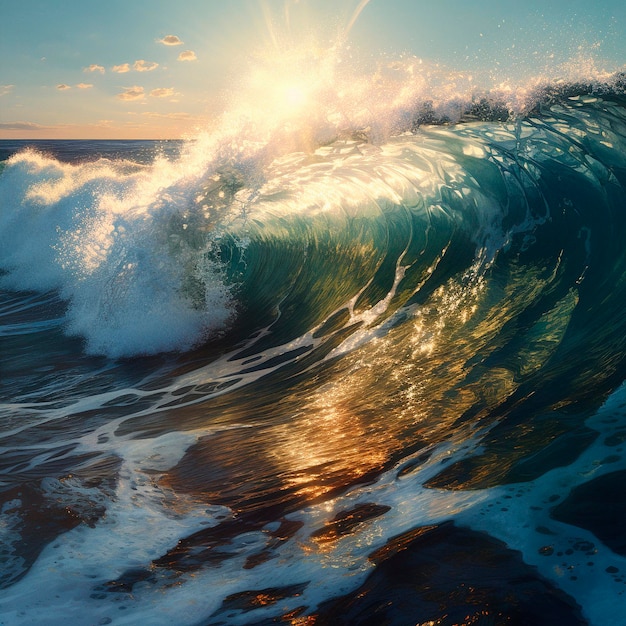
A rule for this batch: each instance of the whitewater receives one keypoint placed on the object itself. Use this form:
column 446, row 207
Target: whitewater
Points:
column 353, row 355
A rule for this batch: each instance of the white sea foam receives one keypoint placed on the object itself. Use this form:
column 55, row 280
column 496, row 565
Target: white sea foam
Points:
column 112, row 239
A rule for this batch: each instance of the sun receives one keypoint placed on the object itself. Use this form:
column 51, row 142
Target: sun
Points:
column 290, row 82
column 295, row 95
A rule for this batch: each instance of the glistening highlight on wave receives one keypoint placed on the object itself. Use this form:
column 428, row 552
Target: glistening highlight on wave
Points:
column 353, row 355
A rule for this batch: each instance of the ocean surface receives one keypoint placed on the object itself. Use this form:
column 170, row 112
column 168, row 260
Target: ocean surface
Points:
column 325, row 373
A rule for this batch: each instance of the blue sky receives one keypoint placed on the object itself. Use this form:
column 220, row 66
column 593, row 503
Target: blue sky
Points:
column 159, row 68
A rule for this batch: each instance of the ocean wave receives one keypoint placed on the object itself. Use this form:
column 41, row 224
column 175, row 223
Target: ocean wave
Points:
column 298, row 364
column 162, row 256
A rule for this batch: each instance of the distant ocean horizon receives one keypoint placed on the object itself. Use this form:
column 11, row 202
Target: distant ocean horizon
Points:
column 71, row 149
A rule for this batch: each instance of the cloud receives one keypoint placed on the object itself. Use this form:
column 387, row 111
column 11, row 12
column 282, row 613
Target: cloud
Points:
column 162, row 92
column 63, row 87
column 168, row 116
column 94, row 68
column 170, row 40
column 139, row 66
column 144, row 66
column 132, row 93
column 21, row 126
column 5, row 89
column 84, row 86
column 187, row 55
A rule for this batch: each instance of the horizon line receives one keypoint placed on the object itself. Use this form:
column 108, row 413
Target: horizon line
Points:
column 92, row 139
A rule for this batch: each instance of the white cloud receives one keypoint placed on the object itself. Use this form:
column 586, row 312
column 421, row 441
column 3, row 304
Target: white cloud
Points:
column 21, row 126
column 170, row 40
column 187, row 55
column 94, row 68
column 169, row 116
column 63, row 87
column 5, row 89
column 162, row 92
column 144, row 66
column 84, row 86
column 121, row 69
column 132, row 93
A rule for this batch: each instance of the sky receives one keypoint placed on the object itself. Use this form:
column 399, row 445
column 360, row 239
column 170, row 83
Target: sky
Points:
column 162, row 69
